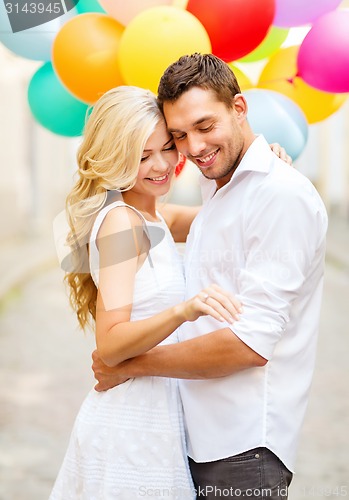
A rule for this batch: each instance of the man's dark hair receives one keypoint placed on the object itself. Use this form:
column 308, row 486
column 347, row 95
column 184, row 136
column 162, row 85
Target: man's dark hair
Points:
column 198, row 70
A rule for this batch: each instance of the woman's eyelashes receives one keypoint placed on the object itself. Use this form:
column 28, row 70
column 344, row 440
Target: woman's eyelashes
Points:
column 172, row 147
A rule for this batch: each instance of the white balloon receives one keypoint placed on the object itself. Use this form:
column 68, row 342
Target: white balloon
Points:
column 33, row 43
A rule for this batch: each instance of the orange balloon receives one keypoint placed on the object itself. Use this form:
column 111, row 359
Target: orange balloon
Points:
column 279, row 75
column 84, row 55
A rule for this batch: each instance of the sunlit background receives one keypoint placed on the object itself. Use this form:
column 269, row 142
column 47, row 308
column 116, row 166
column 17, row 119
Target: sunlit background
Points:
column 291, row 58
column 40, row 115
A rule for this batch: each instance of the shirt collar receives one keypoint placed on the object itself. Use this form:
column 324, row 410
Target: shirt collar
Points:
column 256, row 159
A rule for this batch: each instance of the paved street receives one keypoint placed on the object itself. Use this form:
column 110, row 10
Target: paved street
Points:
column 45, row 373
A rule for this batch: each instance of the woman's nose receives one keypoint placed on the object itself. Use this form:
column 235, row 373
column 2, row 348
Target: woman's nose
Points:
column 161, row 163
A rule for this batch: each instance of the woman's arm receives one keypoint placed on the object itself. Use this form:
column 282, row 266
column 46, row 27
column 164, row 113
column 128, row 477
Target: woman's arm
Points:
column 179, row 219
column 117, row 337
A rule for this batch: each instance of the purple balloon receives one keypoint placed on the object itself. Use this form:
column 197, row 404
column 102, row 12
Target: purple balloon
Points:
column 299, row 12
column 323, row 57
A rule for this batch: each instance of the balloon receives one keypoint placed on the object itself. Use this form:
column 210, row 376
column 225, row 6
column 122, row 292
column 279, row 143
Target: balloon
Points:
column 84, row 6
column 279, row 74
column 156, row 38
column 33, row 43
column 53, row 106
column 323, row 58
column 235, row 27
column 125, row 10
column 271, row 43
column 243, row 80
column 180, row 165
column 298, row 12
column 278, row 118
column 181, row 4
column 84, row 55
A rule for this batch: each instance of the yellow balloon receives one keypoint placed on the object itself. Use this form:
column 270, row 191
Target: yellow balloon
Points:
column 156, row 38
column 280, row 74
column 243, row 80
column 182, row 4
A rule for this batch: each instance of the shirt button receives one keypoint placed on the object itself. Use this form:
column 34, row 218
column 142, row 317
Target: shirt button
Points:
column 256, row 455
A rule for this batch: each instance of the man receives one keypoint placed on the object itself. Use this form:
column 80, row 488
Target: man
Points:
column 261, row 235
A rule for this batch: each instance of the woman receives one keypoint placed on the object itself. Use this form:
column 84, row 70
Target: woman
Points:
column 128, row 442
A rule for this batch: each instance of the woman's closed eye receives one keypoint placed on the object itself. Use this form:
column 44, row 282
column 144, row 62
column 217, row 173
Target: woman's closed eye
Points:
column 170, row 148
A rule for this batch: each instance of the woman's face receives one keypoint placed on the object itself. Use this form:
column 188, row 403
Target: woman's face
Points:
column 158, row 163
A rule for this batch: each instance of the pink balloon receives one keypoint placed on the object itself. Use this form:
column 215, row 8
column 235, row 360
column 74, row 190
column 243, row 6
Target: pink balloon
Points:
column 323, row 57
column 125, row 10
column 298, row 12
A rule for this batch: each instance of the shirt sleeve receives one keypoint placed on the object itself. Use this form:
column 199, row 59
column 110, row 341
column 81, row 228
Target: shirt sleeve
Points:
column 284, row 230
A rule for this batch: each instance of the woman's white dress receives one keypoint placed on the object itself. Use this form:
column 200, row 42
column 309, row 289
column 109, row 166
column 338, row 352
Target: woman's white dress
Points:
column 128, row 442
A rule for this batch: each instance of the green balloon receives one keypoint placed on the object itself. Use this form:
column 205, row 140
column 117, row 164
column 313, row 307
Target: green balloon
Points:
column 53, row 106
column 274, row 39
column 84, row 6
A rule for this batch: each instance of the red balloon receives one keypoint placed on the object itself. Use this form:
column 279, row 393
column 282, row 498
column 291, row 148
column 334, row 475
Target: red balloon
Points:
column 235, row 27
column 180, row 164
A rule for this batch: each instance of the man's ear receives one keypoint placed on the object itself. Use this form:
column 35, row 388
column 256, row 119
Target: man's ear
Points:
column 240, row 106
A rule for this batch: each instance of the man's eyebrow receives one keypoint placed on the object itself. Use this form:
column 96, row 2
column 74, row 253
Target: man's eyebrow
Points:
column 198, row 122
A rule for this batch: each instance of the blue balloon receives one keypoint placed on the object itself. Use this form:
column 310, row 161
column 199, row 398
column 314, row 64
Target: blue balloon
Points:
column 53, row 106
column 278, row 118
column 33, row 43
column 84, row 6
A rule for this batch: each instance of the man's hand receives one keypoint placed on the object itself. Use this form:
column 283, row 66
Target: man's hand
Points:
column 106, row 377
column 280, row 152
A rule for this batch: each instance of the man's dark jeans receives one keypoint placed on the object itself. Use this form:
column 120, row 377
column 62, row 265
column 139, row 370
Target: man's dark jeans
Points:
column 257, row 474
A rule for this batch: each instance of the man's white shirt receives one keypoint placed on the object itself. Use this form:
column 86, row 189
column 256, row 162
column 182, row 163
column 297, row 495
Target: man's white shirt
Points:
column 261, row 236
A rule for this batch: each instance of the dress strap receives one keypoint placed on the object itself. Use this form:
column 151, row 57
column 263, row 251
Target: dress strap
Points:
column 144, row 223
column 93, row 250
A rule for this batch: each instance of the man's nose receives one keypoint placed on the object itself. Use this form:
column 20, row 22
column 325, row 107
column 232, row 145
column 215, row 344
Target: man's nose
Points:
column 195, row 145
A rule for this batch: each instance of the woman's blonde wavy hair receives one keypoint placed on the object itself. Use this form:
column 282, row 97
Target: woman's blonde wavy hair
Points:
column 108, row 158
